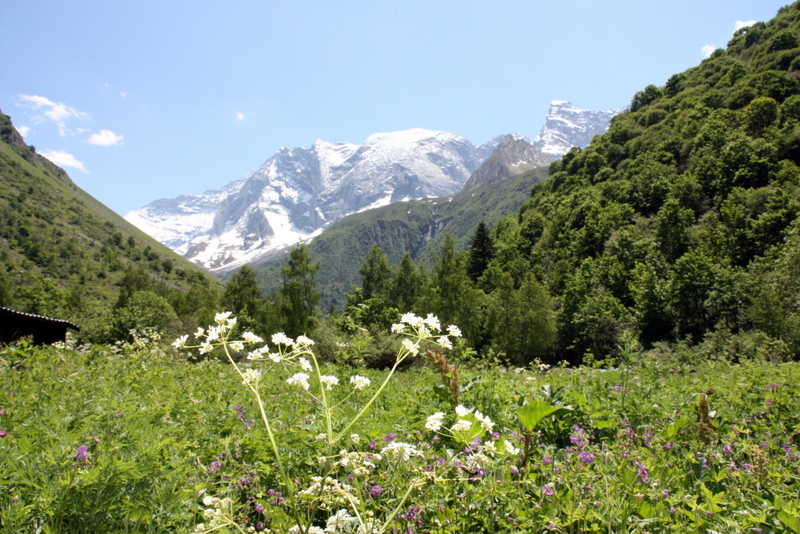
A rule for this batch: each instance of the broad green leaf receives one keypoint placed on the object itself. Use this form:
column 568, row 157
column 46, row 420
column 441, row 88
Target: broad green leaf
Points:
column 533, row 412
column 793, row 522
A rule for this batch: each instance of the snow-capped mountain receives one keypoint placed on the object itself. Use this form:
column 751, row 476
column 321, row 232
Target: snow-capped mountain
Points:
column 298, row 192
column 567, row 126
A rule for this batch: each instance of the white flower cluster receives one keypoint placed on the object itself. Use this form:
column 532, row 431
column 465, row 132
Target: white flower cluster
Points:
column 428, row 329
column 340, row 522
column 359, row 382
column 435, row 421
column 218, row 514
column 330, row 491
column 400, row 450
column 359, row 463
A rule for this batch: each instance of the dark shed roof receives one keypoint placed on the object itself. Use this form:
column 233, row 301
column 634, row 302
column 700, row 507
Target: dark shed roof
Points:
column 15, row 324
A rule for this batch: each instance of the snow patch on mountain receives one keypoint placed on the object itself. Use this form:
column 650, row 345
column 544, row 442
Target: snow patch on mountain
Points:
column 298, row 192
column 567, row 126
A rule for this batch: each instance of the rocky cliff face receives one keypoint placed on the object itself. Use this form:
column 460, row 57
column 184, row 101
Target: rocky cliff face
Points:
column 298, row 192
column 514, row 155
column 567, row 126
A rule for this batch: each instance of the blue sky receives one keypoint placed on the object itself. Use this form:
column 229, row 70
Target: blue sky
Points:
column 147, row 99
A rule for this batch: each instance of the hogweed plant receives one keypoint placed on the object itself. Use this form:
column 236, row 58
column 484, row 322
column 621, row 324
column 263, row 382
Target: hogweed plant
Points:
column 358, row 503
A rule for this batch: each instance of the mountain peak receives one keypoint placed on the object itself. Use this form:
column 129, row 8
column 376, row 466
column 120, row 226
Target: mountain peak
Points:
column 568, row 126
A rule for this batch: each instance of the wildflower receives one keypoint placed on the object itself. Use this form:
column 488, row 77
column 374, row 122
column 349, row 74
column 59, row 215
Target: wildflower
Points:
column 237, row 346
column 412, row 320
column 390, row 437
column 461, row 426
column 586, row 457
column 213, row 468
column 354, row 439
column 579, row 437
column 642, row 472
column 398, row 328
column 180, row 342
column 485, row 422
column 434, row 422
column 546, row 460
column 510, row 448
column 727, row 450
column 359, row 382
column 3, row 433
column 341, row 521
column 303, row 341
column 329, row 381
column 222, row 317
column 453, row 331
column 250, row 337
column 401, row 450
column 461, row 411
column 200, row 332
column 282, row 339
column 444, row 342
column 410, row 346
column 375, row 491
column 433, row 322
column 547, row 489
column 299, row 379
column 250, row 377
column 82, row 453
column 304, row 364
column 205, row 348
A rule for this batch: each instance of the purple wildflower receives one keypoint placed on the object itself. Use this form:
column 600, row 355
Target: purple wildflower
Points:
column 727, row 450
column 547, row 489
column 82, row 453
column 390, row 437
column 642, row 472
column 547, row 460
column 375, row 491
column 259, row 508
column 586, row 457
column 214, row 467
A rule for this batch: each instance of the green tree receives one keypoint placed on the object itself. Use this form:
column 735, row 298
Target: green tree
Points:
column 761, row 113
column 481, row 252
column 453, row 297
column 521, row 322
column 298, row 297
column 145, row 311
column 375, row 274
column 407, row 285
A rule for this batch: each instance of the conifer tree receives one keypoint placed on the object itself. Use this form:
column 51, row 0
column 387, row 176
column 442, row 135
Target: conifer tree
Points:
column 299, row 296
column 481, row 252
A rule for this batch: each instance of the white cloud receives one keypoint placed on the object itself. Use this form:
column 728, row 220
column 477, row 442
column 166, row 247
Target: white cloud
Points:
column 54, row 111
column 708, row 50
column 63, row 159
column 23, row 130
column 743, row 23
column 239, row 116
column 105, row 138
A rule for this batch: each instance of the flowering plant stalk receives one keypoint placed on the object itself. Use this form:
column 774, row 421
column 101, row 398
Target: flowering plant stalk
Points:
column 297, row 359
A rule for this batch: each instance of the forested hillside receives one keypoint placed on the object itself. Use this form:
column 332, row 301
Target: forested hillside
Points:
column 679, row 225
column 417, row 227
column 681, row 221
column 64, row 254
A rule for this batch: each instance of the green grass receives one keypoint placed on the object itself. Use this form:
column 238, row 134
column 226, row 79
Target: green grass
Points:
column 608, row 450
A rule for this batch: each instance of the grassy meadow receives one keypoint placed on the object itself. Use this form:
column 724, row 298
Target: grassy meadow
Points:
column 142, row 437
